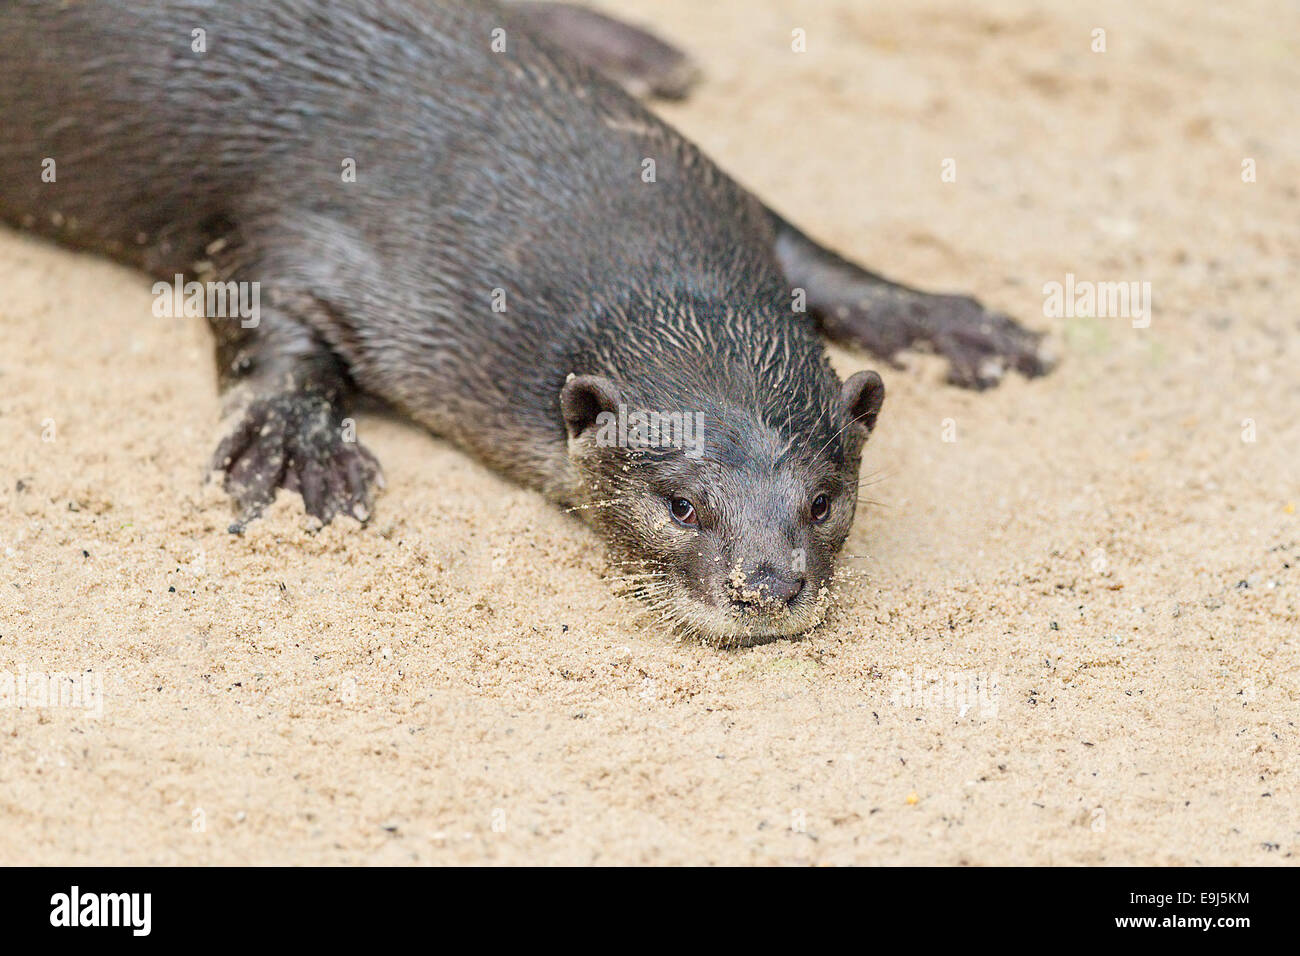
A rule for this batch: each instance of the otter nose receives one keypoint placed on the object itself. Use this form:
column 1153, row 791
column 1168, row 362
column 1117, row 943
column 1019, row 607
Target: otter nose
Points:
column 765, row 586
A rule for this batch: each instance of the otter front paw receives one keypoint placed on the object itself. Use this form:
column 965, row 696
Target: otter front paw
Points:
column 981, row 346
column 298, row 443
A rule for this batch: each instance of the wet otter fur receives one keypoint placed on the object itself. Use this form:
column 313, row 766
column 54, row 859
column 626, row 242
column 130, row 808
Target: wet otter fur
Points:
column 500, row 268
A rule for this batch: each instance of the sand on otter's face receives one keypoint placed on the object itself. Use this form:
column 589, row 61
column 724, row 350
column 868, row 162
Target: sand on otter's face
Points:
column 1070, row 630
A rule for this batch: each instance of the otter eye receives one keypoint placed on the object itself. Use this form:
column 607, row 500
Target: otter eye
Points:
column 684, row 512
column 821, row 507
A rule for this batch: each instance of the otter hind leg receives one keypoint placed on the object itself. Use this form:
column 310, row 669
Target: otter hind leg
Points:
column 287, row 394
column 858, row 308
column 637, row 60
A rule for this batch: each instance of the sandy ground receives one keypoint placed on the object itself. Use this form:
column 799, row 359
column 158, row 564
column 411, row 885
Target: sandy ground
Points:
column 1101, row 566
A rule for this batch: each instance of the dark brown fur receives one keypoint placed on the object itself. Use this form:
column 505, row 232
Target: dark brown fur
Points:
column 482, row 177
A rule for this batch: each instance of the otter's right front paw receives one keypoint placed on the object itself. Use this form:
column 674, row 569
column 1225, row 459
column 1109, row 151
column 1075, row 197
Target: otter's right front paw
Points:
column 297, row 443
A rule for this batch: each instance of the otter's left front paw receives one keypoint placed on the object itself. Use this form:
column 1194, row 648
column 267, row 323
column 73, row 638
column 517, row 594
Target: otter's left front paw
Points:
column 981, row 346
column 297, row 443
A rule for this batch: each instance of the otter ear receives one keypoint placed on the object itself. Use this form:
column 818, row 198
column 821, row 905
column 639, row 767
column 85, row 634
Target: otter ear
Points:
column 862, row 396
column 582, row 400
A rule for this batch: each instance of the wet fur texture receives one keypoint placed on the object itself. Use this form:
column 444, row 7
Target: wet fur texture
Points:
column 481, row 178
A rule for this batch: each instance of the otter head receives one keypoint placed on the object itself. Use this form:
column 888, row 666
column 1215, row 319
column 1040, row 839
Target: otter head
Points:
column 724, row 513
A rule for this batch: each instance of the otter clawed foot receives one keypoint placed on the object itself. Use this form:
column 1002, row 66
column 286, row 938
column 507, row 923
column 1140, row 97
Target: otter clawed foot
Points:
column 981, row 346
column 300, row 444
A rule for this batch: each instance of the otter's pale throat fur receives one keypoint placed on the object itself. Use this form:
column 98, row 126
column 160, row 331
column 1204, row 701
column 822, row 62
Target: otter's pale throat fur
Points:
column 498, row 265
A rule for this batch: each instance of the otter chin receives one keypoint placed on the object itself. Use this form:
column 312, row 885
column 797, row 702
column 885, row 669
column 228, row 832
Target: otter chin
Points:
column 725, row 512
column 728, row 613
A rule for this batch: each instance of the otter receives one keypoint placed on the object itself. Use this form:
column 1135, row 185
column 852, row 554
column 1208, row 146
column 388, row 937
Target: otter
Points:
column 460, row 210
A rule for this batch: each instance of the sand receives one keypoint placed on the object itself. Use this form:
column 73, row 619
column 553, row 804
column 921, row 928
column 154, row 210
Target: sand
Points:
column 1103, row 567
